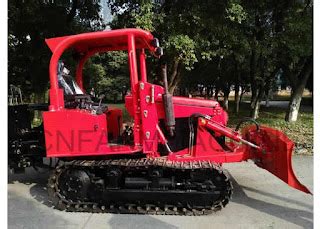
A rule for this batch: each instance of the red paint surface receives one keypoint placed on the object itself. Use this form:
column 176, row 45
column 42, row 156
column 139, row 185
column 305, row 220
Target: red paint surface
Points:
column 276, row 156
column 114, row 121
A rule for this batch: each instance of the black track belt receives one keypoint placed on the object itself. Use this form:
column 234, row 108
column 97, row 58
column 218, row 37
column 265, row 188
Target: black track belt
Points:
column 63, row 202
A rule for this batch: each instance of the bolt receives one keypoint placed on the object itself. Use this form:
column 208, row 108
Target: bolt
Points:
column 203, row 121
column 141, row 86
column 148, row 134
column 145, row 113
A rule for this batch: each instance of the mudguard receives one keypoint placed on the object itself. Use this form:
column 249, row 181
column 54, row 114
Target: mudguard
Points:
column 275, row 154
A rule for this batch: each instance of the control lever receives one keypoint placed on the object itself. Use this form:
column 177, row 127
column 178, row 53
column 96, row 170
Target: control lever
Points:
column 99, row 109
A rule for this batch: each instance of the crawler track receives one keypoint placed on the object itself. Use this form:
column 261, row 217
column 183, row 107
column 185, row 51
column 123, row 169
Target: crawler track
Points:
column 140, row 186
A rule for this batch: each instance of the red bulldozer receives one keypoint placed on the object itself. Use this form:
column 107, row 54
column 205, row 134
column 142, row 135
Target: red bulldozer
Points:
column 168, row 162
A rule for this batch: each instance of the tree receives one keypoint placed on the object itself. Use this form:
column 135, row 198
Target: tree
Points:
column 227, row 43
column 30, row 22
column 296, row 53
column 108, row 74
column 182, row 27
column 283, row 34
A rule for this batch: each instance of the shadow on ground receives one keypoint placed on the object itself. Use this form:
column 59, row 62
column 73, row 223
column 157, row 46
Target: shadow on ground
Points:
column 296, row 216
column 39, row 188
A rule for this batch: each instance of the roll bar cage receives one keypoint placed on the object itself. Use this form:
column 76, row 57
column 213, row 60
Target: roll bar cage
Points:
column 88, row 44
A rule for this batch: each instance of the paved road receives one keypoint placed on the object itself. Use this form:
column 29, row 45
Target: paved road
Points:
column 260, row 201
column 284, row 105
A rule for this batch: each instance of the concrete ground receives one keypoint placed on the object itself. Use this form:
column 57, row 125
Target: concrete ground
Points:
column 260, row 200
column 285, row 104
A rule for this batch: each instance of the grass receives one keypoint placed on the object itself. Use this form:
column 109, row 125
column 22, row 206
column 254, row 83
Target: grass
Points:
column 301, row 131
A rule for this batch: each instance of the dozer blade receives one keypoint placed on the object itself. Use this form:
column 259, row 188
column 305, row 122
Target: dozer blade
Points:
column 275, row 154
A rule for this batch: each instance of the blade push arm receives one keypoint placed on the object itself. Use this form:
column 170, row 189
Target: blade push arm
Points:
column 212, row 125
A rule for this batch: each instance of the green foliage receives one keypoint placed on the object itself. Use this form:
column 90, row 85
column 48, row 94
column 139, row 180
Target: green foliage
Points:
column 93, row 74
column 217, row 39
column 108, row 74
column 30, row 22
column 183, row 48
column 218, row 43
column 145, row 17
column 236, row 13
column 295, row 42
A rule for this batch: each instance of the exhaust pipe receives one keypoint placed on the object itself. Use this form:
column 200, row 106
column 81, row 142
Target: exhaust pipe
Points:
column 167, row 103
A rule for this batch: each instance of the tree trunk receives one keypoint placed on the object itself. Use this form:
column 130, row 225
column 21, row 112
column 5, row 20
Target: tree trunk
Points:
column 115, row 98
column 173, row 87
column 296, row 95
column 260, row 88
column 255, row 110
column 294, row 106
column 256, row 105
column 268, row 98
column 216, row 93
column 243, row 91
column 200, row 91
column 254, row 97
column 268, row 91
column 237, row 98
column 236, row 90
column 269, row 86
column 175, row 75
column 226, row 92
column 253, row 67
column 225, row 104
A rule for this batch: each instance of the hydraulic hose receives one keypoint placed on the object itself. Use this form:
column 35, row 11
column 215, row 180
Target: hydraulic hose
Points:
column 248, row 120
column 191, row 128
column 212, row 125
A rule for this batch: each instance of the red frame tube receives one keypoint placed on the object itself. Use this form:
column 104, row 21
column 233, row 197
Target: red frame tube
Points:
column 59, row 45
column 143, row 67
column 132, row 59
column 79, row 69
